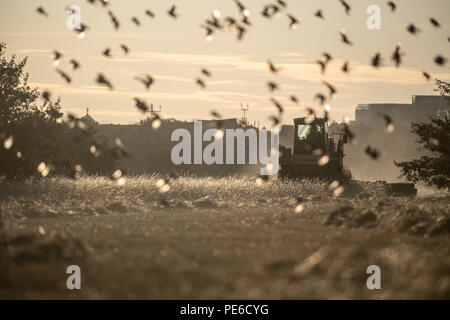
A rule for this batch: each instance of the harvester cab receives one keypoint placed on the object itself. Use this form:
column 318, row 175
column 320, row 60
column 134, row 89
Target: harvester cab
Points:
column 319, row 153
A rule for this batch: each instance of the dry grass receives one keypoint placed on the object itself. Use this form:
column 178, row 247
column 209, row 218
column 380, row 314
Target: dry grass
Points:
column 220, row 238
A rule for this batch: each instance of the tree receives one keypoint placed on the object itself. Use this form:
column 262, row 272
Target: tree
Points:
column 434, row 138
column 32, row 130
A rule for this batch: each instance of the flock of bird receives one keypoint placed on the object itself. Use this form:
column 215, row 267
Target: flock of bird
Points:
column 240, row 25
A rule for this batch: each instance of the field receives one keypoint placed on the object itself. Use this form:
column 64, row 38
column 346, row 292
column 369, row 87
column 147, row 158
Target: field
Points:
column 229, row 238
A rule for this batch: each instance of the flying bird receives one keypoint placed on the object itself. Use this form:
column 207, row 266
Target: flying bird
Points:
column 150, row 13
column 64, row 75
column 278, row 105
column 440, row 60
column 272, row 86
column 321, row 97
column 332, row 90
column 141, row 105
column 322, row 65
column 146, row 80
column 272, row 67
column 46, row 95
column 426, row 75
column 172, row 11
column 327, row 56
column 392, row 5
column 319, row 14
column 344, row 37
column 411, row 28
column 293, row 99
column 136, row 21
column 372, row 152
column 376, row 60
column 397, row 55
column 346, row 7
column 206, row 72
column 201, row 83
column 345, row 67
column 270, row 10
column 107, row 53
column 349, row 133
column 125, row 49
column 42, row 11
column 114, row 20
column 389, row 125
column 56, row 57
column 75, row 64
column 293, row 22
column 101, row 79
column 435, row 23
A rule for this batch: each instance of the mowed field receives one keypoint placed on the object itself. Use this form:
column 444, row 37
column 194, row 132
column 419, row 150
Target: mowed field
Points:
column 209, row 238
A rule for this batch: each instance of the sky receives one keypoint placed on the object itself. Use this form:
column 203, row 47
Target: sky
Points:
column 174, row 51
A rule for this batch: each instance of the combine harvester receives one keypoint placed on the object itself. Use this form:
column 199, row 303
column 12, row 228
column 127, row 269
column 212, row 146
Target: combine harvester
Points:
column 318, row 155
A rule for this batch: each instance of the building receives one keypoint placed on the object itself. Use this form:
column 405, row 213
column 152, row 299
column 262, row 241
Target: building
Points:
column 88, row 120
column 420, row 110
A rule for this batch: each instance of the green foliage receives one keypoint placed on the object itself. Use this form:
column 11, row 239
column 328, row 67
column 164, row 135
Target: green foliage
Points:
column 434, row 138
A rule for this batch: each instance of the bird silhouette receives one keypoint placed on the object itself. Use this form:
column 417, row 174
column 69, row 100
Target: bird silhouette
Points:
column 149, row 13
column 272, row 86
column 435, row 23
column 426, row 75
column 346, row 7
column 75, row 64
column 319, row 14
column 294, row 99
column 278, row 105
column 57, row 56
column 440, row 60
column 64, row 75
column 322, row 65
column 114, row 20
column 101, row 80
column 146, row 80
column 344, row 37
column 136, row 21
column 327, row 57
column 376, row 60
column 141, row 105
column 201, row 83
column 293, row 22
column 125, row 49
column 270, row 10
column 107, row 53
column 411, row 28
column 389, row 125
column 397, row 56
column 42, row 11
column 46, row 95
column 332, row 90
column 321, row 98
column 392, row 5
column 372, row 152
column 206, row 72
column 272, row 67
column 172, row 11
column 345, row 67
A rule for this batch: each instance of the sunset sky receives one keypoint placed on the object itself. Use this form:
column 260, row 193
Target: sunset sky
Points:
column 174, row 51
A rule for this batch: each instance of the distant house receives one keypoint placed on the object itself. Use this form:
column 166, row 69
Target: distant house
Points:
column 88, row 120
